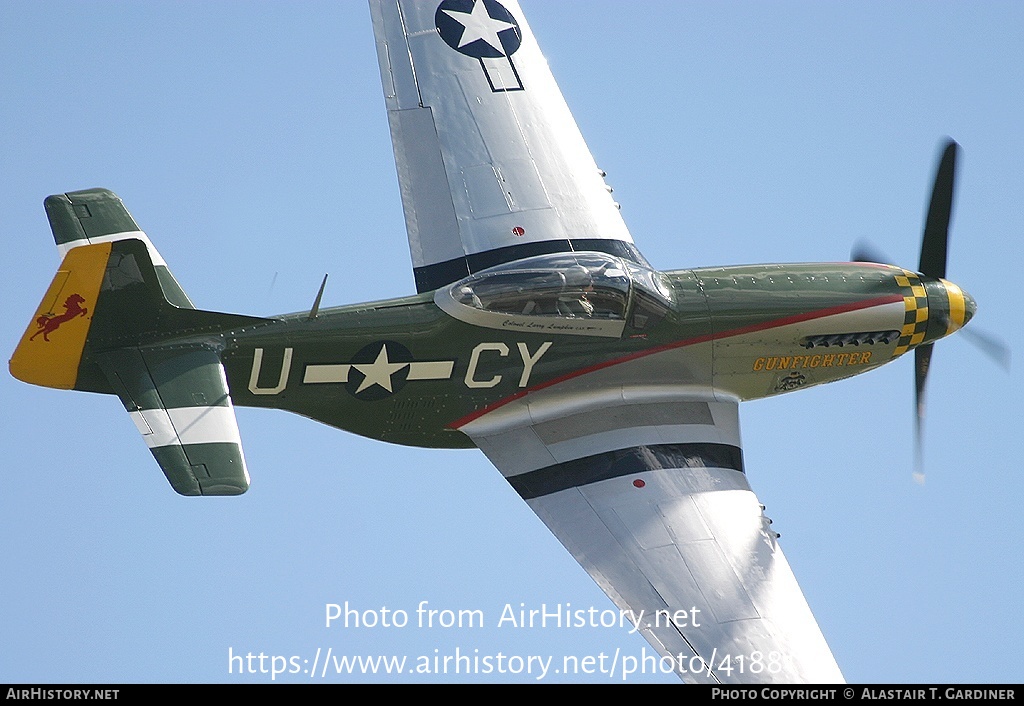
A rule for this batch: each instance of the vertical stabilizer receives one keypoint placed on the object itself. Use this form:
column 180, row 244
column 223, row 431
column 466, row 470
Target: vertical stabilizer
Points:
column 93, row 216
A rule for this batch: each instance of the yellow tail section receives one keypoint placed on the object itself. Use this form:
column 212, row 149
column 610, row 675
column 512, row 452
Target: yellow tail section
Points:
column 51, row 348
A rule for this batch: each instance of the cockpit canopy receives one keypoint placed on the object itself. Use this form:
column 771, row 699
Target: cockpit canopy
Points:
column 581, row 293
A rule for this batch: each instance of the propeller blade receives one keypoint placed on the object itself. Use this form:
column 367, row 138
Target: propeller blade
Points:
column 934, row 251
column 863, row 251
column 936, row 227
column 922, row 361
column 988, row 344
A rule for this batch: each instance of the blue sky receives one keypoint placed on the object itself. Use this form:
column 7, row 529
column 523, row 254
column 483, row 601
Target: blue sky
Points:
column 250, row 141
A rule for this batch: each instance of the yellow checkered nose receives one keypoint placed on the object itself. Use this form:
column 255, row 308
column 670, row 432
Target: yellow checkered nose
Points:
column 961, row 306
column 933, row 308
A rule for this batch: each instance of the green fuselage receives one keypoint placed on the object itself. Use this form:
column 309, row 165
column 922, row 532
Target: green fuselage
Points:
column 407, row 372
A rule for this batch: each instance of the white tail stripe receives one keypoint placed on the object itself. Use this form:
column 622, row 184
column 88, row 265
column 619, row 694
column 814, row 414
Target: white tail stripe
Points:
column 158, row 261
column 187, row 425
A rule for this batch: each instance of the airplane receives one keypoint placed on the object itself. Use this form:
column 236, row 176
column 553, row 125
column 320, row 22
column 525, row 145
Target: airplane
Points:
column 539, row 345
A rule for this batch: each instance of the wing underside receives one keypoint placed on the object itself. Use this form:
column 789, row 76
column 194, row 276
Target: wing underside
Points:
column 651, row 498
column 644, row 486
column 491, row 165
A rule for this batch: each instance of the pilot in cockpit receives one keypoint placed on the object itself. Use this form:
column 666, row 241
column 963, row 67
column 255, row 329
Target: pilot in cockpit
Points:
column 574, row 301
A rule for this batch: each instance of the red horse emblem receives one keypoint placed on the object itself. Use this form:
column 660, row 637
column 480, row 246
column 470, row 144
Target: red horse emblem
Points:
column 48, row 323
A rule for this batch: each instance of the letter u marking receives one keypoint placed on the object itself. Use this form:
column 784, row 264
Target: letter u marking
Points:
column 254, row 376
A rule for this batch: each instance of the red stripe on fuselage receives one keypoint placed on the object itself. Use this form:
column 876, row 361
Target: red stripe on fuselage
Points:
column 773, row 323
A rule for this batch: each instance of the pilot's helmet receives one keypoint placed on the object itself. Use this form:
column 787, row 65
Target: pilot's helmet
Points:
column 578, row 277
column 466, row 294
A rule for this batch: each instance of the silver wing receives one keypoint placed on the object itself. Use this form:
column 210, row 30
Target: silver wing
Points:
column 647, row 490
column 491, row 165
column 644, row 486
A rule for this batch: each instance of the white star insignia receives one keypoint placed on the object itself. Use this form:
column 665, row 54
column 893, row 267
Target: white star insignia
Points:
column 480, row 25
column 378, row 372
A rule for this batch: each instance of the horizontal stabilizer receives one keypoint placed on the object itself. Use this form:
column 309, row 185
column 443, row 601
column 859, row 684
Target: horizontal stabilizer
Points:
column 178, row 399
